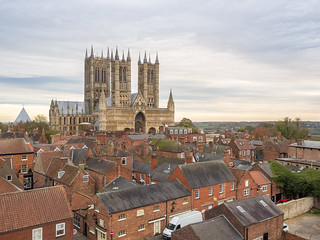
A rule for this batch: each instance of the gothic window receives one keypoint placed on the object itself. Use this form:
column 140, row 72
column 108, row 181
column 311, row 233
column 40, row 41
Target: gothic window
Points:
column 124, row 74
column 152, row 77
column 120, row 74
column 149, row 74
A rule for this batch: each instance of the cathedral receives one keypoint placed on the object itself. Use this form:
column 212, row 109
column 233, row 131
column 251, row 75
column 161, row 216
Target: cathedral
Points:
column 109, row 103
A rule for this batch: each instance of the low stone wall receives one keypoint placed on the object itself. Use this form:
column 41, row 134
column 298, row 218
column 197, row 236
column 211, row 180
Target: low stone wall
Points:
column 294, row 208
column 290, row 236
column 317, row 203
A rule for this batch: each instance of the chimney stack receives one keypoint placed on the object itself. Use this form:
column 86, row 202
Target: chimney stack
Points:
column 153, row 161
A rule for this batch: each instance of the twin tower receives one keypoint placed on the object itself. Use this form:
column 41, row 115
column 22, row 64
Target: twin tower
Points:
column 112, row 76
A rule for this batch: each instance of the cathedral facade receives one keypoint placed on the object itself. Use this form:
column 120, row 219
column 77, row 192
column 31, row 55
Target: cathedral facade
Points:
column 109, row 103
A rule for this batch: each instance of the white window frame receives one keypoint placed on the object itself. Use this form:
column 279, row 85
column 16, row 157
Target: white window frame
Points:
column 122, row 217
column 176, row 131
column 180, row 131
column 196, row 193
column 141, row 227
column 85, row 178
column 26, row 168
column 194, row 138
column 182, row 155
column 122, row 233
column 220, row 188
column 200, row 139
column 243, row 152
column 140, row 212
column 24, row 157
column 156, row 208
column 9, row 176
column 264, row 188
column 185, row 131
column 124, row 161
column 248, row 152
column 246, row 192
column 76, row 220
column 185, row 201
column 252, row 153
column 210, row 190
column 232, row 186
column 171, row 131
column 34, row 232
column 246, row 183
column 101, row 222
column 59, row 227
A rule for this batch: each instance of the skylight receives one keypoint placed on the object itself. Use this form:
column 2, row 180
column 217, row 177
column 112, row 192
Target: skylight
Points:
column 263, row 203
column 241, row 209
column 60, row 174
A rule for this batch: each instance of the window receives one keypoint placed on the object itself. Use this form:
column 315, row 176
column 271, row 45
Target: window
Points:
column 180, row 131
column 264, row 188
column 85, row 178
column 122, row 233
column 194, row 138
column 248, row 152
column 246, row 183
column 243, row 152
column 76, row 220
column 185, row 131
column 24, row 157
column 60, row 174
column 156, row 208
column 171, row 131
column 141, row 227
column 200, row 139
column 121, row 217
column 220, row 188
column 176, row 131
column 197, row 194
column 140, row 212
column 210, row 206
column 124, row 161
column 37, row 234
column 185, row 201
column 232, row 186
column 182, row 155
column 246, row 192
column 24, row 168
column 9, row 177
column 101, row 222
column 60, row 229
column 252, row 153
column 210, row 190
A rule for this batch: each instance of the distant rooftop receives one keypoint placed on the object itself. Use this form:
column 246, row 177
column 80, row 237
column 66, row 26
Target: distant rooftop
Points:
column 23, row 117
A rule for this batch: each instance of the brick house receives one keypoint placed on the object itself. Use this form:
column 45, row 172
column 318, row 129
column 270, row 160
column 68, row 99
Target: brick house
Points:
column 275, row 149
column 168, row 148
column 210, row 183
column 7, row 186
column 50, row 218
column 254, row 218
column 141, row 172
column 20, row 157
column 242, row 149
column 8, row 174
column 138, row 212
column 306, row 151
column 218, row 228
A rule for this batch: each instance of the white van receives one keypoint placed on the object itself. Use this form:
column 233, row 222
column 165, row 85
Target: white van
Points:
column 181, row 221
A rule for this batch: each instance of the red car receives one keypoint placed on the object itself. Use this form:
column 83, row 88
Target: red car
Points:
column 284, row 200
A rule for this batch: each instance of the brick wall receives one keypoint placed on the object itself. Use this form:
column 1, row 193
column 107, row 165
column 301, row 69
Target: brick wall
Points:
column 18, row 162
column 296, row 207
column 48, row 232
column 290, row 236
column 272, row 226
column 305, row 153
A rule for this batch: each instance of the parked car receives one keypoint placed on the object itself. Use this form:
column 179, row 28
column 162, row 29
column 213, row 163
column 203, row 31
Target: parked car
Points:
column 285, row 227
column 284, row 200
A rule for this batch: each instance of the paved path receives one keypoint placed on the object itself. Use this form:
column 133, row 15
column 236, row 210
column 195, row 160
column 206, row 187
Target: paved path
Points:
column 305, row 225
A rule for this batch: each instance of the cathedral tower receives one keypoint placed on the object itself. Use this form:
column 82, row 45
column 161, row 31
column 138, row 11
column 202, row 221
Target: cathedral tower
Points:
column 148, row 80
column 120, row 80
column 96, row 78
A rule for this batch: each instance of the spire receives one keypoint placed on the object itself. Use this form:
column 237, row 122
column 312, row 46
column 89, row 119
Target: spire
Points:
column 123, row 57
column 112, row 55
column 170, row 105
column 102, row 54
column 145, row 57
column 149, row 59
column 56, row 103
column 157, row 59
column 108, row 56
column 86, row 53
column 128, row 56
column 51, row 102
column 117, row 55
column 139, row 61
column 91, row 51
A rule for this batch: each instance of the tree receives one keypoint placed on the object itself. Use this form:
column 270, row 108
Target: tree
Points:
column 186, row 122
column 291, row 129
column 3, row 127
column 40, row 118
column 261, row 132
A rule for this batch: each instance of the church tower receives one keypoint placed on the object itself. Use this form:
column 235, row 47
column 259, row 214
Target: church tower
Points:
column 148, row 80
column 96, row 78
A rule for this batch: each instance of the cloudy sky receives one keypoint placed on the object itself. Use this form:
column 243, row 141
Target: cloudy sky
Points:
column 224, row 60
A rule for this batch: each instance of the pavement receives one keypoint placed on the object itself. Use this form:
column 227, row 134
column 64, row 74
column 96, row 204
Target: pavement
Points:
column 79, row 236
column 305, row 225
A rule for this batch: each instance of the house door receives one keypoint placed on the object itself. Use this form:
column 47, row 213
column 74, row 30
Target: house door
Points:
column 101, row 235
column 265, row 236
column 157, row 227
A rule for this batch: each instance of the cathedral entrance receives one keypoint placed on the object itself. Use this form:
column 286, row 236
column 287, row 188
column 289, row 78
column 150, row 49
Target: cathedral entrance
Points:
column 140, row 122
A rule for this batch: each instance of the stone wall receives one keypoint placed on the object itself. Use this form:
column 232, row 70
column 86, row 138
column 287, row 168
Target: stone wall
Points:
column 296, row 207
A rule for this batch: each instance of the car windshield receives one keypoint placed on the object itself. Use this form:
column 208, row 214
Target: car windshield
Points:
column 171, row 226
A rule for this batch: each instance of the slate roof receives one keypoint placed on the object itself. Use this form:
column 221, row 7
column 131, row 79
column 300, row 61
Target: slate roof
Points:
column 255, row 211
column 218, row 228
column 7, row 187
column 120, row 153
column 203, row 174
column 266, row 167
column 146, row 136
column 63, row 107
column 52, row 205
column 132, row 198
column 257, row 143
column 99, row 165
column 307, row 144
column 162, row 172
column 23, row 117
column 142, row 167
column 11, row 135
column 78, row 155
column 242, row 165
column 14, row 146
column 119, row 183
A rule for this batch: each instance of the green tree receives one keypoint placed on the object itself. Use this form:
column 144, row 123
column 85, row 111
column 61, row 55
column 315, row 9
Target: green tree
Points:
column 40, row 122
column 291, row 129
column 186, row 122
column 3, row 127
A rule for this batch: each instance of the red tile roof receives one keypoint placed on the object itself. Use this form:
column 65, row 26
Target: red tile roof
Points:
column 14, row 146
column 80, row 203
column 244, row 144
column 40, row 206
column 7, row 187
column 259, row 178
column 44, row 159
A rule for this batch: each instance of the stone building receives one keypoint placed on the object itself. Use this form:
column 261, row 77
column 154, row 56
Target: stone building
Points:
column 109, row 103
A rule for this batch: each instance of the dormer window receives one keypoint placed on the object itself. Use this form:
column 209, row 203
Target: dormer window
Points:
column 60, row 174
column 72, row 148
column 124, row 161
column 85, row 178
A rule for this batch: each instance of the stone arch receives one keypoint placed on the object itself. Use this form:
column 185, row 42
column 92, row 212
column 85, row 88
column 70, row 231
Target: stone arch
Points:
column 127, row 130
column 152, row 130
column 140, row 123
